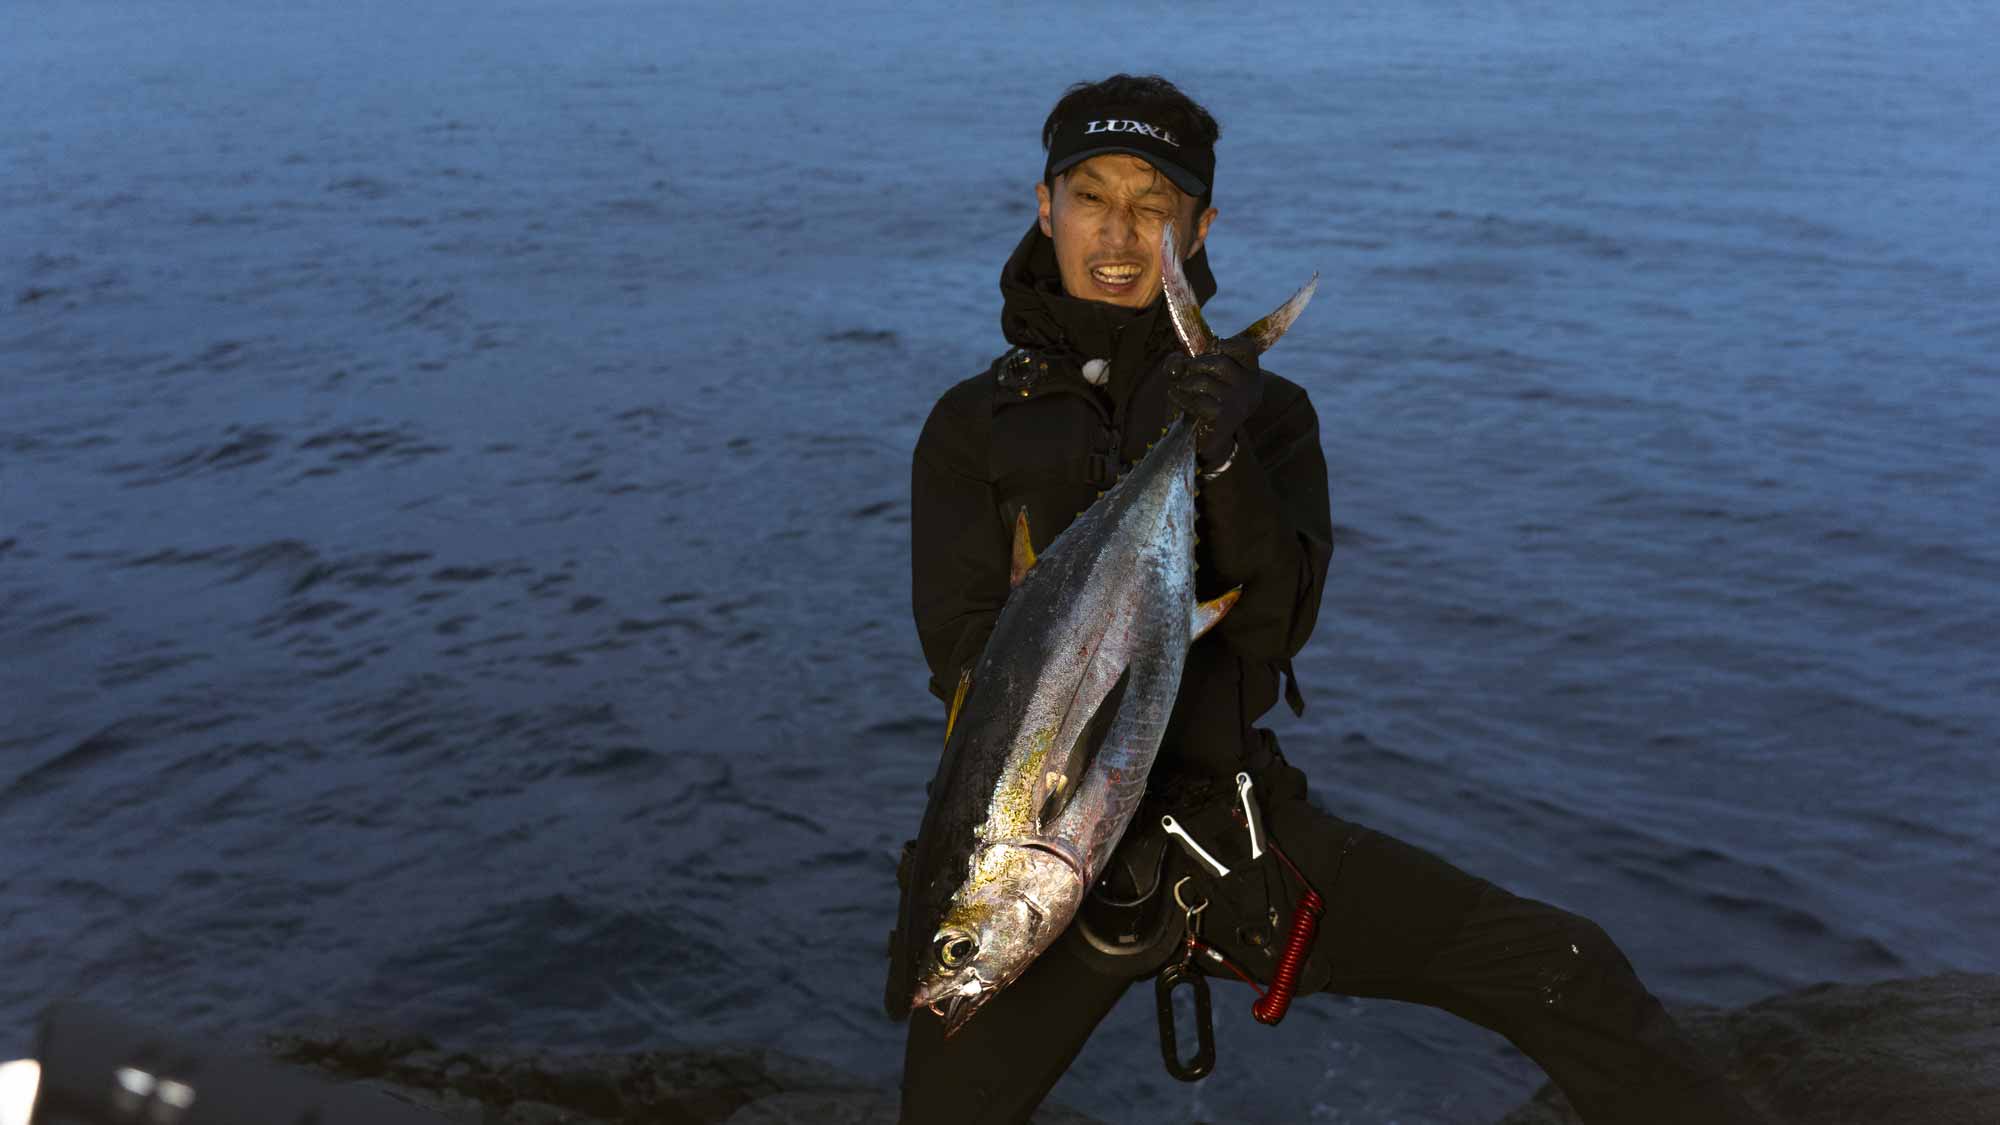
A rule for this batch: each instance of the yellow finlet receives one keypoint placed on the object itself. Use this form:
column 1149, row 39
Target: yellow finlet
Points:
column 1209, row 612
column 957, row 701
column 1024, row 550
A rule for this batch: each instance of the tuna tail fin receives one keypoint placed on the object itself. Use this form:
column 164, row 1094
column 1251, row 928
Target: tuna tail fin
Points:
column 1024, row 551
column 1182, row 308
column 1056, row 790
column 1207, row 613
column 1195, row 334
column 1265, row 332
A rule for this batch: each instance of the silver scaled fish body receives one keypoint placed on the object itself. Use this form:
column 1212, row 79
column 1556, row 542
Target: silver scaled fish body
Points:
column 1054, row 730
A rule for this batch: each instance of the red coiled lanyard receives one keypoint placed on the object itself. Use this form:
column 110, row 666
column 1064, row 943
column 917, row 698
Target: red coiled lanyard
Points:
column 1272, row 1003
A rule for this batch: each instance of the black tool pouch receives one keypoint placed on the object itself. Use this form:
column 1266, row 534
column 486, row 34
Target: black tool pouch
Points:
column 1128, row 925
column 1250, row 911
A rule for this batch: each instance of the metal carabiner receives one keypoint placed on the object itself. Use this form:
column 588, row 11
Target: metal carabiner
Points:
column 1193, row 913
column 1183, row 972
column 1170, row 978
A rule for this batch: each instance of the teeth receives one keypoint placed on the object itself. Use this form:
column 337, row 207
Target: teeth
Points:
column 1116, row 273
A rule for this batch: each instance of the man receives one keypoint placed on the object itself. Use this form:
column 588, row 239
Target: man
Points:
column 1094, row 374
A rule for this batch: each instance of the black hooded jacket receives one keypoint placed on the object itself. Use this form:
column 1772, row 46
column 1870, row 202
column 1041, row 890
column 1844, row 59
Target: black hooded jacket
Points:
column 1030, row 432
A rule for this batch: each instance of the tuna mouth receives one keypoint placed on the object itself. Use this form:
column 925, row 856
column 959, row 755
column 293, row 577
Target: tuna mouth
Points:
column 958, row 1008
column 953, row 1002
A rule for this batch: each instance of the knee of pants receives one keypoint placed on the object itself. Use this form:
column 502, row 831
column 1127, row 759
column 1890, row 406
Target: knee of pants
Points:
column 1582, row 962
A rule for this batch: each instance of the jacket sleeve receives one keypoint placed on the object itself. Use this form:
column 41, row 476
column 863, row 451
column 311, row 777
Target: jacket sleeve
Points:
column 1267, row 526
column 958, row 548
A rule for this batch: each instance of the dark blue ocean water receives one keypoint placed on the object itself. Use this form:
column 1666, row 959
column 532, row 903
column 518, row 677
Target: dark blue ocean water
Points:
column 453, row 516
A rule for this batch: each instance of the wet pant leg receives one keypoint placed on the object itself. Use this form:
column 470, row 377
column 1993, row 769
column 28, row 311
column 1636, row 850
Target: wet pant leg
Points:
column 1403, row 924
column 1557, row 986
column 1005, row 1059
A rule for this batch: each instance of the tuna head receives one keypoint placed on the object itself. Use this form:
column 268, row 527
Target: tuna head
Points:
column 1014, row 907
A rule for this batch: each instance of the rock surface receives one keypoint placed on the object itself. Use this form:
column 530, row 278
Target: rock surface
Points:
column 718, row 1086
column 1924, row 1051
column 1910, row 1052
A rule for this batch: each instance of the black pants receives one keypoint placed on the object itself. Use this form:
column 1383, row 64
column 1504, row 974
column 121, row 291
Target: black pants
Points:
column 1400, row 924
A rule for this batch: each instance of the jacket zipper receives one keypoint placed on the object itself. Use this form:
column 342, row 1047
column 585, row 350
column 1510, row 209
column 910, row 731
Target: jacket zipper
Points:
column 1104, row 464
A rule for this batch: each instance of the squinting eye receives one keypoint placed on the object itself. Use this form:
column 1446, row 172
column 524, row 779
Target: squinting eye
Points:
column 955, row 949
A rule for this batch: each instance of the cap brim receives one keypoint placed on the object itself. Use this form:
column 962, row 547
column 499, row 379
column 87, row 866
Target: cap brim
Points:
column 1182, row 178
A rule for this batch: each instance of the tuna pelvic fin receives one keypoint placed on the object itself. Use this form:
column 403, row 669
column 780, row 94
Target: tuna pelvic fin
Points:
column 1024, row 550
column 1209, row 612
column 957, row 701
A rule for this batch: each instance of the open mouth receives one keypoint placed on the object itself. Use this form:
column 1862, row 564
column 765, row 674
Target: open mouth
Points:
column 955, row 1004
column 1117, row 278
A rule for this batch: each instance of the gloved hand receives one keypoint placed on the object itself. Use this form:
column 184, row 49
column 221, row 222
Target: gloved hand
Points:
column 1218, row 391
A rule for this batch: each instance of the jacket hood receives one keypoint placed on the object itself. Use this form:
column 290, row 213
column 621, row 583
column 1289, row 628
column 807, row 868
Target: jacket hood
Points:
column 1037, row 313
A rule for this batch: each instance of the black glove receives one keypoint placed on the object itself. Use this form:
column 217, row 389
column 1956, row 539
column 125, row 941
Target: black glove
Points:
column 1218, row 391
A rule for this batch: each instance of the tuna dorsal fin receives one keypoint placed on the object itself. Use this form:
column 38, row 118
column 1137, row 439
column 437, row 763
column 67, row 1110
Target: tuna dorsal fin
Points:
column 957, row 701
column 1207, row 613
column 1024, row 550
column 1060, row 787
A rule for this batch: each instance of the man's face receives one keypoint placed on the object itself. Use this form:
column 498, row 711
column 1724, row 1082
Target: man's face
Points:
column 1104, row 216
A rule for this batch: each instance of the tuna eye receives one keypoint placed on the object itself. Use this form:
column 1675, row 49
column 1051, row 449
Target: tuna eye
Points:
column 955, row 949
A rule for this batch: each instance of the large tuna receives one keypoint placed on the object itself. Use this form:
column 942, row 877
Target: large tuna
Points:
column 1054, row 730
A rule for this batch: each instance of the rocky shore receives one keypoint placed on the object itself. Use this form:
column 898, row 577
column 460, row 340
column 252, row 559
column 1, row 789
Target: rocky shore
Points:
column 733, row 1085
column 1923, row 1051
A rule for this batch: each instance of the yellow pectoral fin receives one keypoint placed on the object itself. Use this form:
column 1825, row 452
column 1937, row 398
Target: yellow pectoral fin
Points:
column 1207, row 613
column 957, row 701
column 1024, row 550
